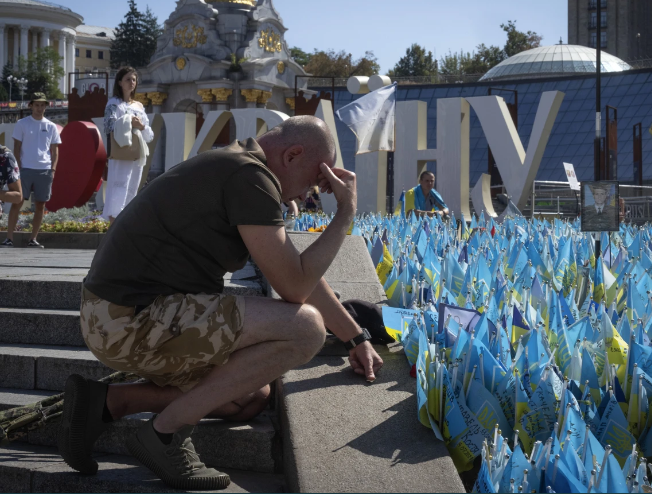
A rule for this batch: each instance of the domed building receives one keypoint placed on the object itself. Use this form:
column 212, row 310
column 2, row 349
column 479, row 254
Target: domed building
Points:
column 552, row 61
column 27, row 25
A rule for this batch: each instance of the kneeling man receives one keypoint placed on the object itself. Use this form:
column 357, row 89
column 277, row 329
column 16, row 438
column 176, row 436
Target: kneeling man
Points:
column 152, row 302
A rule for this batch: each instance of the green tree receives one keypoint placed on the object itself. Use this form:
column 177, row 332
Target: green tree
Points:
column 518, row 41
column 485, row 57
column 135, row 38
column 300, row 56
column 416, row 62
column 7, row 70
column 43, row 71
column 152, row 31
column 341, row 64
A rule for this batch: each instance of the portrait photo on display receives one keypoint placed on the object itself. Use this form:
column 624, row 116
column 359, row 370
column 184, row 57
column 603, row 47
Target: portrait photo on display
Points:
column 599, row 205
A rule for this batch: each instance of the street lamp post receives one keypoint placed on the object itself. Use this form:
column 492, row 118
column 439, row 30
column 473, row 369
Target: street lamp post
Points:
column 597, row 166
column 21, row 83
column 10, row 80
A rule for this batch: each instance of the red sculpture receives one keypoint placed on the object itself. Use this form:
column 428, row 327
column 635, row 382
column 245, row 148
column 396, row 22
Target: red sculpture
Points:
column 82, row 158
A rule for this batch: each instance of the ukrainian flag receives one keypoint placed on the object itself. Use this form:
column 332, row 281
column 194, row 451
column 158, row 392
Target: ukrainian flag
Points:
column 392, row 285
column 520, row 327
column 598, row 282
column 405, row 203
column 385, row 266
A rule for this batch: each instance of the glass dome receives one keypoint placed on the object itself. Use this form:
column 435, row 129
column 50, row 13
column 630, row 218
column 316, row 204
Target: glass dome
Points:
column 555, row 60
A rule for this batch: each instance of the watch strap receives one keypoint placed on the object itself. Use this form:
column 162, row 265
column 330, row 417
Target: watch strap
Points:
column 361, row 338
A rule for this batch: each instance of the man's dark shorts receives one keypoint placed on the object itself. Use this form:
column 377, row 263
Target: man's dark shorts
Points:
column 38, row 180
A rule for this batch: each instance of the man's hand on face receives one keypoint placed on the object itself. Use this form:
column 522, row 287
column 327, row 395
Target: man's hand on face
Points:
column 365, row 361
column 339, row 182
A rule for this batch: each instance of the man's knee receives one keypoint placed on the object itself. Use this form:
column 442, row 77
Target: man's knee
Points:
column 310, row 339
column 39, row 206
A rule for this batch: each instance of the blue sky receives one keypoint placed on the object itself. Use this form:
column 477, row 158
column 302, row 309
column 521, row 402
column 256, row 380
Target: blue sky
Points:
column 386, row 27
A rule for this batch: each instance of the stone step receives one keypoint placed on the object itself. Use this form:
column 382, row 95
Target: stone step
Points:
column 26, row 468
column 244, row 446
column 61, row 291
column 44, row 279
column 40, row 327
column 46, row 367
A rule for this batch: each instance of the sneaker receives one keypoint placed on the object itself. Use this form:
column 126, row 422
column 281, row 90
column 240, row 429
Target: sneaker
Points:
column 7, row 243
column 177, row 463
column 81, row 423
column 34, row 243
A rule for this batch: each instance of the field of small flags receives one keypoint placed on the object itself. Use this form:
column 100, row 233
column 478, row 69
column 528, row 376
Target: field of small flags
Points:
column 531, row 350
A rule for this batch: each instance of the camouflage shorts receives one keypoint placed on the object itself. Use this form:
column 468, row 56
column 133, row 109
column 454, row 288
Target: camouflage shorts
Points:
column 175, row 341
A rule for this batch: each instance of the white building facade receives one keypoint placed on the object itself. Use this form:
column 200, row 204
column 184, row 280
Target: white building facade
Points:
column 27, row 25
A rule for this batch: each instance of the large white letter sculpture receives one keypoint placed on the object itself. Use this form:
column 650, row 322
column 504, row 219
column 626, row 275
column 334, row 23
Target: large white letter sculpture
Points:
column 254, row 122
column 249, row 123
column 517, row 168
column 325, row 112
column 411, row 153
column 453, row 128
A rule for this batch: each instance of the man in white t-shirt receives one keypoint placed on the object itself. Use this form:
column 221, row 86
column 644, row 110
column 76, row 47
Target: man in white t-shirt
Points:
column 36, row 143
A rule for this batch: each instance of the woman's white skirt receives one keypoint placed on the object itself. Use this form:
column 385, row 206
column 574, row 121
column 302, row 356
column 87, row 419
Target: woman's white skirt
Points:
column 121, row 186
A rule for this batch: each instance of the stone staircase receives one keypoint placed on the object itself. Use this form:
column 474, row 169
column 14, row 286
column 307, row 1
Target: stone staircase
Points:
column 41, row 345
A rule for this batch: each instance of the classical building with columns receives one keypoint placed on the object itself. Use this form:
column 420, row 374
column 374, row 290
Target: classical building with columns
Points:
column 192, row 69
column 26, row 25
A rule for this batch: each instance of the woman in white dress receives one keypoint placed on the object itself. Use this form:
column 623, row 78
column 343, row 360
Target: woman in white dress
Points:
column 124, row 176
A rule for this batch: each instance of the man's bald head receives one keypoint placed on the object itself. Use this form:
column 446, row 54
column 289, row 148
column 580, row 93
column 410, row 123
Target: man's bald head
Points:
column 307, row 131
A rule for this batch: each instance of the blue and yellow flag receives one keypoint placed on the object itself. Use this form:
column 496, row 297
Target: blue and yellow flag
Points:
column 520, row 327
column 598, row 282
column 385, row 266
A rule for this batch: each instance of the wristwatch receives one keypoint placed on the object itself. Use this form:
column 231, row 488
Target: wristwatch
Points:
column 361, row 338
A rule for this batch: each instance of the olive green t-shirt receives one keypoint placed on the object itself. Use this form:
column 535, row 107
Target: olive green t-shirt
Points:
column 179, row 234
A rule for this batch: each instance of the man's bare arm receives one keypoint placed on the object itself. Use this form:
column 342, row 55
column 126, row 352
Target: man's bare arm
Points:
column 293, row 275
column 17, row 147
column 54, row 155
column 363, row 358
column 14, row 195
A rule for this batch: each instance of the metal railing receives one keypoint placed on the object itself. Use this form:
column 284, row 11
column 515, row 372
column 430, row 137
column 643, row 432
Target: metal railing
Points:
column 557, row 199
column 325, row 82
column 56, row 5
column 589, row 67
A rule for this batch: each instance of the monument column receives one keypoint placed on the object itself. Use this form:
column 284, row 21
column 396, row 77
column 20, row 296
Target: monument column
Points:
column 24, row 33
column 45, row 38
column 262, row 99
column 70, row 57
column 34, row 40
column 157, row 101
column 221, row 96
column 62, row 53
column 207, row 101
column 3, row 46
column 16, row 46
column 251, row 96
